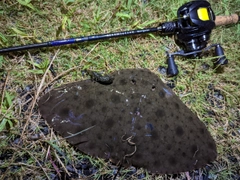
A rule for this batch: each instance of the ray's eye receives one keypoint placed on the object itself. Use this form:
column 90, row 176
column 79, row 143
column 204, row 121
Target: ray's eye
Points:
column 153, row 87
column 133, row 81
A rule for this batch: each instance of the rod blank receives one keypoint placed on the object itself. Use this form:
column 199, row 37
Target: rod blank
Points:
column 80, row 39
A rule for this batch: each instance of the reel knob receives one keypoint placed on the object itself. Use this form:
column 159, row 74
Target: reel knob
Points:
column 222, row 60
column 172, row 69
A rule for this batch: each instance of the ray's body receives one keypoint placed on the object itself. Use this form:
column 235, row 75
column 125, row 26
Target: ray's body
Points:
column 136, row 120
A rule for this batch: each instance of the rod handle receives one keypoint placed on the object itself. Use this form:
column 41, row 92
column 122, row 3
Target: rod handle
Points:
column 225, row 20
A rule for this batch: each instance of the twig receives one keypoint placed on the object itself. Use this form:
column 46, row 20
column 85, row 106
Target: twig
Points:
column 73, row 135
column 187, row 175
column 36, row 160
column 54, row 165
column 67, row 71
column 39, row 90
column 3, row 90
column 59, row 160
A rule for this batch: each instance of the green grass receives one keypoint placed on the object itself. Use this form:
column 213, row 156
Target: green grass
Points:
column 27, row 149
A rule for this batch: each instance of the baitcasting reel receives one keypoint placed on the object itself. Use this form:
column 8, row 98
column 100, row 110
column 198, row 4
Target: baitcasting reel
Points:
column 191, row 32
column 192, row 29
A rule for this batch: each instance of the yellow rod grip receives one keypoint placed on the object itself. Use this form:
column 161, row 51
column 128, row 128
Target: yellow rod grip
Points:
column 224, row 20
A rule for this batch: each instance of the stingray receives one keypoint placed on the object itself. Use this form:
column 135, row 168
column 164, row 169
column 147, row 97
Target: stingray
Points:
column 135, row 119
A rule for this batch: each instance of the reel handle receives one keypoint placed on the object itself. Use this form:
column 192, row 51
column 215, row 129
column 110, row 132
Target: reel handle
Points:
column 225, row 20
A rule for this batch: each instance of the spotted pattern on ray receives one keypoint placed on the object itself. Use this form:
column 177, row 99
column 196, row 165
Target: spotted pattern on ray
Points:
column 136, row 120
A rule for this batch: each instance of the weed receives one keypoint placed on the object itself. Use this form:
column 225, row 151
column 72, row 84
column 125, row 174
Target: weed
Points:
column 29, row 149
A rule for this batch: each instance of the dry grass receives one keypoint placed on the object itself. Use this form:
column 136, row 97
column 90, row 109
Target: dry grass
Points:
column 29, row 149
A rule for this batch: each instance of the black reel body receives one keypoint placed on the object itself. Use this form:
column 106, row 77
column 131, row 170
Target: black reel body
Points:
column 191, row 32
column 195, row 23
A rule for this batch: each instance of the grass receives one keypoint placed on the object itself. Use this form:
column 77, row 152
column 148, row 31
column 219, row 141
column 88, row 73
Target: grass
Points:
column 31, row 150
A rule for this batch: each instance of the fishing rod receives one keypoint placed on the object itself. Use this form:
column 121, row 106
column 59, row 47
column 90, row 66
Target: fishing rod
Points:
column 191, row 30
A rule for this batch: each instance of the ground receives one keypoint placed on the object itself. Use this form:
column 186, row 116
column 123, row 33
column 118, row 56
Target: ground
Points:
column 29, row 148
